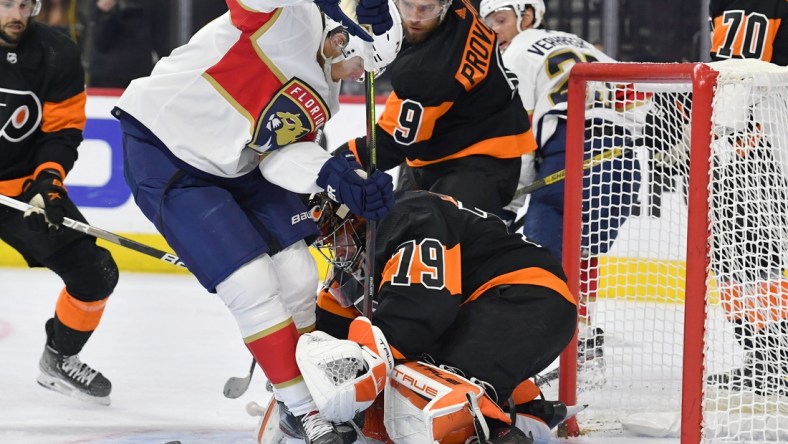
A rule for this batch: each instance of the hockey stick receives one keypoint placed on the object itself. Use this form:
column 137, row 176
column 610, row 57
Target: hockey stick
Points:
column 558, row 176
column 369, row 105
column 99, row 233
column 235, row 386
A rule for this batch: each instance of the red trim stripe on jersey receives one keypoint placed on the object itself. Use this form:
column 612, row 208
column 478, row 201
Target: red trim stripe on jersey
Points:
column 245, row 76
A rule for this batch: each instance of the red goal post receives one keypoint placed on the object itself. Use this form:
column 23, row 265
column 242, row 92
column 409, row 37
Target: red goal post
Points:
column 654, row 300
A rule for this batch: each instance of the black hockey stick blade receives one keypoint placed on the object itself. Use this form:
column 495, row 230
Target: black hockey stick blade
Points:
column 99, row 233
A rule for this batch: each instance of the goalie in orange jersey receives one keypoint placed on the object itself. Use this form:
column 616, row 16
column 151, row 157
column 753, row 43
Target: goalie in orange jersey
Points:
column 461, row 302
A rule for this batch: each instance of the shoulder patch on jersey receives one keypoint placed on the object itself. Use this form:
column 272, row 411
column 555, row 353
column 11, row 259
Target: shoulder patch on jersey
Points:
column 293, row 112
column 20, row 114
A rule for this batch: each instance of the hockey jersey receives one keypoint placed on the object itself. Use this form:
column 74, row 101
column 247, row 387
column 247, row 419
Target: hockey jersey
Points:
column 749, row 29
column 541, row 60
column 42, row 106
column 245, row 84
column 451, row 98
column 432, row 256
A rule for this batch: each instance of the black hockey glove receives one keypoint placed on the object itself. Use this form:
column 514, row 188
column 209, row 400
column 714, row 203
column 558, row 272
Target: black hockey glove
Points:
column 331, row 8
column 375, row 13
column 345, row 182
column 47, row 193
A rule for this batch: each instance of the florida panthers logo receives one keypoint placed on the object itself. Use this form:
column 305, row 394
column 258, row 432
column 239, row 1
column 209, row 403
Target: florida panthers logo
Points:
column 294, row 112
column 287, row 126
column 20, row 114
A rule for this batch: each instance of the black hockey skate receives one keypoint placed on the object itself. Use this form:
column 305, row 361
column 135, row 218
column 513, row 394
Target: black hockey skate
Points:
column 72, row 377
column 510, row 435
column 590, row 348
column 763, row 380
column 296, row 427
column 503, row 434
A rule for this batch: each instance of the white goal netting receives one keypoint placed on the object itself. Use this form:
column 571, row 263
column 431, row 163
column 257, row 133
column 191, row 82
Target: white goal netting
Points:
column 632, row 264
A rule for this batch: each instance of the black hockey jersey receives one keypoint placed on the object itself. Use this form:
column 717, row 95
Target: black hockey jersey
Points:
column 42, row 106
column 432, row 256
column 749, row 29
column 451, row 98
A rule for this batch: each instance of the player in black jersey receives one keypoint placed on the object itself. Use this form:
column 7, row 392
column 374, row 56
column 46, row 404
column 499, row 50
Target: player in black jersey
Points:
column 749, row 29
column 454, row 115
column 42, row 115
column 453, row 284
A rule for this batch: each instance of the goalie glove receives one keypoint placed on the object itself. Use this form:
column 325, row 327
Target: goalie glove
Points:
column 343, row 377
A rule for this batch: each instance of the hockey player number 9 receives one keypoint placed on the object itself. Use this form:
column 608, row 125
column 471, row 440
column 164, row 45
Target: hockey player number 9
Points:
column 409, row 122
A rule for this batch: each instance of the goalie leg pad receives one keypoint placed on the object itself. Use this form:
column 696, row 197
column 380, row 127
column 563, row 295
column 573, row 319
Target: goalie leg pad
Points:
column 425, row 403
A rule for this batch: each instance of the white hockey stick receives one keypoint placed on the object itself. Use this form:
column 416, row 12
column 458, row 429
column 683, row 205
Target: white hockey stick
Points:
column 99, row 233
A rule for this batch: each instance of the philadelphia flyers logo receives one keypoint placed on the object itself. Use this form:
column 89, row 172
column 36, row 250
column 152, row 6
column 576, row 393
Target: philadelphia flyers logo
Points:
column 20, row 114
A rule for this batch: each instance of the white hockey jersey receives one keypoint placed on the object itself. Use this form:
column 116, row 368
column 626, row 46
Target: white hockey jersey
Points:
column 541, row 60
column 247, row 83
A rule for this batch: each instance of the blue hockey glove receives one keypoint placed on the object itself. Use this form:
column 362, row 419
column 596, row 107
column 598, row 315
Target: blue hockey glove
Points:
column 46, row 191
column 344, row 181
column 376, row 14
column 331, row 8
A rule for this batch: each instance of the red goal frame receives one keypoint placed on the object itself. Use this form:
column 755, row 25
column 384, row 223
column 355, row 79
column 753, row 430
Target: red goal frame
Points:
column 703, row 80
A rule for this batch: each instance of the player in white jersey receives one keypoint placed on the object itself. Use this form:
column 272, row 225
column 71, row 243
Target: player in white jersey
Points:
column 541, row 60
column 218, row 142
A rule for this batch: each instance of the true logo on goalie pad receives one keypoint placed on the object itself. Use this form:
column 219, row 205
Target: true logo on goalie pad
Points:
column 424, row 403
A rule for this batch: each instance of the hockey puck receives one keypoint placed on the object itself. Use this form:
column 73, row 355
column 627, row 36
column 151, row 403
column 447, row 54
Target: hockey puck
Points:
column 255, row 409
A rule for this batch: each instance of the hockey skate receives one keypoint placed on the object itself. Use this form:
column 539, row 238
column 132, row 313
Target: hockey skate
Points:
column 509, row 435
column 323, row 432
column 591, row 358
column 759, row 378
column 72, row 377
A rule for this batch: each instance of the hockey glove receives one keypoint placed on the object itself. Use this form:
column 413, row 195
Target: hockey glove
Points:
column 331, row 9
column 376, row 14
column 344, row 181
column 45, row 192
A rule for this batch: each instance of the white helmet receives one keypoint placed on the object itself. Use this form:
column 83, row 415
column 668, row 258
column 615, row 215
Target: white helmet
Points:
column 518, row 6
column 386, row 46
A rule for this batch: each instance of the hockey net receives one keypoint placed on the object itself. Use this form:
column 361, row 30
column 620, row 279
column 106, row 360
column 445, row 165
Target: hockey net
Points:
column 683, row 310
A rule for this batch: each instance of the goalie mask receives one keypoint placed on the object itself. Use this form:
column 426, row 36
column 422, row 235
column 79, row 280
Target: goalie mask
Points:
column 342, row 243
